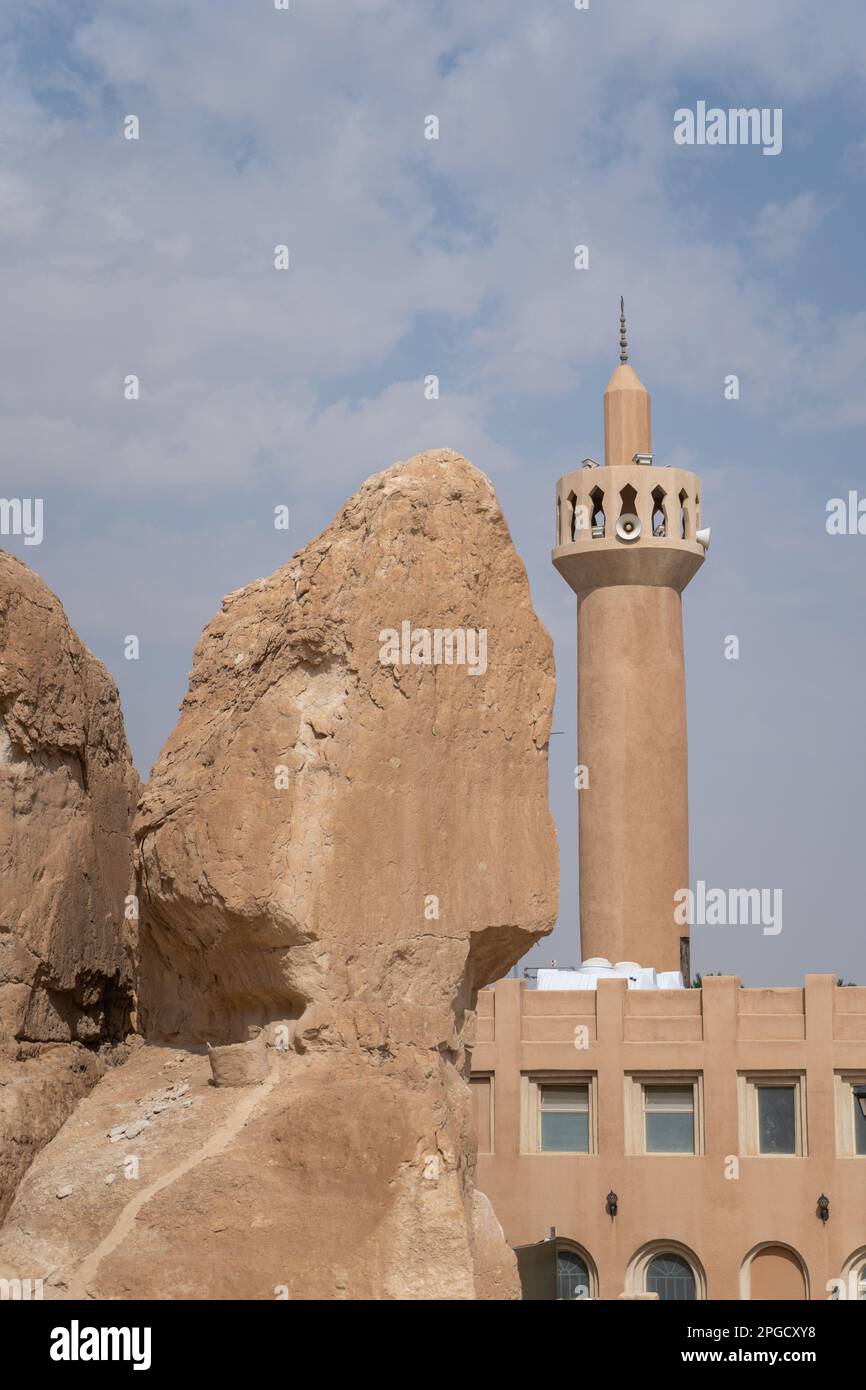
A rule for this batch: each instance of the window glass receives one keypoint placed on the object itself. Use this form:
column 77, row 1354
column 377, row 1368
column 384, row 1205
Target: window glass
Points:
column 859, row 1128
column 861, row 1285
column 669, row 1118
column 777, row 1126
column 564, row 1119
column 558, row 1097
column 572, row 1275
column 671, row 1278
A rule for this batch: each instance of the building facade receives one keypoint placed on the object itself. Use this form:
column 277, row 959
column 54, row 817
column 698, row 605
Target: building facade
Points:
column 716, row 1118
column 681, row 1143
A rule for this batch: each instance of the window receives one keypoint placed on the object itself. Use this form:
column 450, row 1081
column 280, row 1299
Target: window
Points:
column 558, row 1112
column 669, row 1119
column 777, row 1119
column 671, row 1277
column 564, row 1115
column 859, row 1122
column 572, row 1275
column 668, row 1269
column 850, row 1122
column 772, row 1115
column 853, row 1277
column 664, row 1114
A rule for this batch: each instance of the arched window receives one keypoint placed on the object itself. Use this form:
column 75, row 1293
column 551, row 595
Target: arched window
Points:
column 671, row 1277
column 596, row 498
column 572, row 1275
column 572, row 516
column 853, row 1274
column 668, row 1269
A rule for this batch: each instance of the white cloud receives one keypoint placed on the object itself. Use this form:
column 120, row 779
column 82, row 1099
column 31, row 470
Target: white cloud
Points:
column 155, row 257
column 782, row 230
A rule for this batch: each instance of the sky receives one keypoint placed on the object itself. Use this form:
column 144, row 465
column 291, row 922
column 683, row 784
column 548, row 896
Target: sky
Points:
column 454, row 257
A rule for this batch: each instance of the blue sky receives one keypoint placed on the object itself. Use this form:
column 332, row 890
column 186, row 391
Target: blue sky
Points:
column 455, row 257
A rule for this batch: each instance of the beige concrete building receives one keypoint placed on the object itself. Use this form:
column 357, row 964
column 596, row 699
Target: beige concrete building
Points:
column 682, row 1143
column 717, row 1116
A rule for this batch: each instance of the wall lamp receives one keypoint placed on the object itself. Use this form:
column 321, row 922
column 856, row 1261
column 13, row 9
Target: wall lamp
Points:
column 824, row 1208
column 611, row 1204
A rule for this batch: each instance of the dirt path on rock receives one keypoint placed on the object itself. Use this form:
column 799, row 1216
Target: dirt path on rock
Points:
column 87, row 1270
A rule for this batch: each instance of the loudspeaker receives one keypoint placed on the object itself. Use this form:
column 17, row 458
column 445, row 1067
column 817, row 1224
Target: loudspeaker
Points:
column 703, row 537
column 628, row 527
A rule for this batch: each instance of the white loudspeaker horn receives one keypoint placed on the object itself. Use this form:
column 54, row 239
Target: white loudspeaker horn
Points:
column 628, row 527
column 703, row 537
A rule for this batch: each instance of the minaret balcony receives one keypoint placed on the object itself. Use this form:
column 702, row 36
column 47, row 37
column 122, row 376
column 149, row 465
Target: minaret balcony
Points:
column 628, row 524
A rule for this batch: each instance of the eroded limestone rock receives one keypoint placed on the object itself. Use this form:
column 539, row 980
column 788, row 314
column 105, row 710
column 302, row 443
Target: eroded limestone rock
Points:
column 325, row 829
column 340, row 848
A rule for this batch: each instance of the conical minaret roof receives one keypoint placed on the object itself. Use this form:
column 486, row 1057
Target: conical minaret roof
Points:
column 627, row 409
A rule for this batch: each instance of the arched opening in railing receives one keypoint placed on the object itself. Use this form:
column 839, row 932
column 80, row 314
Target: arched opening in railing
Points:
column 684, row 514
column 597, row 517
column 659, row 517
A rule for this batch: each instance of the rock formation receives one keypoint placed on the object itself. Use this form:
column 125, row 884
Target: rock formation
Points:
column 67, row 797
column 345, row 837
column 40, row 1086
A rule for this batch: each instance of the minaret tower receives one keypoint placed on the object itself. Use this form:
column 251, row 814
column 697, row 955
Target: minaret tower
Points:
column 628, row 542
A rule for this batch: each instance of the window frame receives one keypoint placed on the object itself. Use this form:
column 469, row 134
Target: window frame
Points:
column 563, row 1249
column 846, row 1127
column 636, row 1086
column 672, row 1255
column 638, row 1265
column 531, row 1084
column 748, row 1085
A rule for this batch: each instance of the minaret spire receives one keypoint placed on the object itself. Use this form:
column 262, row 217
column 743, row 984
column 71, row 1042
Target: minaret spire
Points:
column 626, row 408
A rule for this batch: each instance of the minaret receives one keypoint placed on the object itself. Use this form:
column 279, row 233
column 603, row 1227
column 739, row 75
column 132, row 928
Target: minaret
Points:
column 628, row 542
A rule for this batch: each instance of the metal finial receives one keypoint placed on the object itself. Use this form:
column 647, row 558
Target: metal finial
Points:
column 623, row 344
